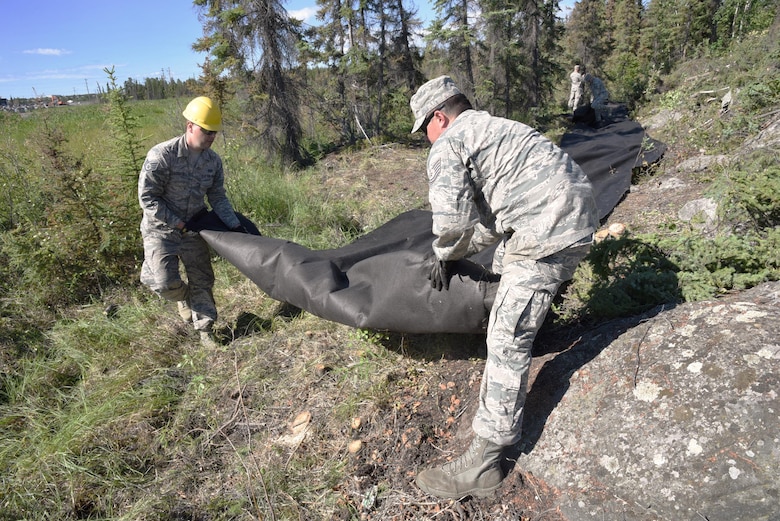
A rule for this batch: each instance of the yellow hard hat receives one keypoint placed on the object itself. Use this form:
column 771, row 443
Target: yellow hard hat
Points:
column 204, row 113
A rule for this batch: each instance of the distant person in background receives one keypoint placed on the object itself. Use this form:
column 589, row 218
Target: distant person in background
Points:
column 176, row 178
column 598, row 97
column 493, row 180
column 577, row 89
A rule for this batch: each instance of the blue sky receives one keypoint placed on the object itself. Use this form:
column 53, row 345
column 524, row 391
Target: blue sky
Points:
column 58, row 47
column 54, row 47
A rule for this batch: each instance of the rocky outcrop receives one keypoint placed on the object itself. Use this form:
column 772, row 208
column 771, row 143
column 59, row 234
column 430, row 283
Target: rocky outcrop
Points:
column 701, row 163
column 769, row 137
column 671, row 416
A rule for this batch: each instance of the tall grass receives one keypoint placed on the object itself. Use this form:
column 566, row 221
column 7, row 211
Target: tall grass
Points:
column 76, row 411
column 101, row 412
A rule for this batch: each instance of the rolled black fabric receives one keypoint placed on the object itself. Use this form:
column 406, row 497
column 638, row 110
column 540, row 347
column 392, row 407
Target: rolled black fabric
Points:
column 380, row 281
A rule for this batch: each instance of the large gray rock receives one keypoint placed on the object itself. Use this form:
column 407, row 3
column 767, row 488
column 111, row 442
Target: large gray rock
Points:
column 701, row 163
column 769, row 137
column 672, row 417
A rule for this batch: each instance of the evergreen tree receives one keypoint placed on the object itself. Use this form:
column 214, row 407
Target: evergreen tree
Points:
column 736, row 18
column 623, row 65
column 408, row 59
column 549, row 50
column 501, row 61
column 255, row 41
column 397, row 64
column 587, row 36
column 455, row 35
column 367, row 49
column 698, row 25
column 520, row 45
column 336, row 44
column 673, row 30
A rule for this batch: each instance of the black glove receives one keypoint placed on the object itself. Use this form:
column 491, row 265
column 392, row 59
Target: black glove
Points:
column 240, row 229
column 196, row 222
column 440, row 274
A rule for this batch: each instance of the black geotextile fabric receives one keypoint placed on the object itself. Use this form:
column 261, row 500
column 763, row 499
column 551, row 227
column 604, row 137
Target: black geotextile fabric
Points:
column 380, row 281
column 609, row 154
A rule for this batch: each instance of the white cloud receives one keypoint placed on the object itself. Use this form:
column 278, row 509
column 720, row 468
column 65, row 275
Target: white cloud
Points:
column 307, row 14
column 47, row 52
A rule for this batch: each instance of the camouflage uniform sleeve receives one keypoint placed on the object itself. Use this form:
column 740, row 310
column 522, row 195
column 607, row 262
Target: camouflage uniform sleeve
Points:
column 152, row 182
column 451, row 195
column 218, row 198
column 483, row 238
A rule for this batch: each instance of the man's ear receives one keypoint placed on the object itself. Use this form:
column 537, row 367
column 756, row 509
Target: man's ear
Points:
column 444, row 119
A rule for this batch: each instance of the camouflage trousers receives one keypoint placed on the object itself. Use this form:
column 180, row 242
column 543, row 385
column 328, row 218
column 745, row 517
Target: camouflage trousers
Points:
column 160, row 272
column 575, row 97
column 523, row 298
column 599, row 106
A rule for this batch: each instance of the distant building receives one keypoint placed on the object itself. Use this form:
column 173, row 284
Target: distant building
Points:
column 3, row 102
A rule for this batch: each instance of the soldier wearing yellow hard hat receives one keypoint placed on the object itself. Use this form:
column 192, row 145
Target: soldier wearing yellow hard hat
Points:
column 177, row 178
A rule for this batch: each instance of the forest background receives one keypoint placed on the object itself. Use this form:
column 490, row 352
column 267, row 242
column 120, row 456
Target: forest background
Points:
column 304, row 90
column 109, row 409
column 308, row 89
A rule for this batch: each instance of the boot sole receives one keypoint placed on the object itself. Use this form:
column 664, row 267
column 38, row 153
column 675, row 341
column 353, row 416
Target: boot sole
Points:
column 478, row 492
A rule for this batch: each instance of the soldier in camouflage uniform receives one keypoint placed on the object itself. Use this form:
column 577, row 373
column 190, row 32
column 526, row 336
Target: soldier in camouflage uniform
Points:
column 598, row 97
column 577, row 89
column 493, row 180
column 175, row 177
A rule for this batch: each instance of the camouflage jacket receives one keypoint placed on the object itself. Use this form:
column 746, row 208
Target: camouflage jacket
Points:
column 598, row 92
column 576, row 80
column 492, row 178
column 170, row 190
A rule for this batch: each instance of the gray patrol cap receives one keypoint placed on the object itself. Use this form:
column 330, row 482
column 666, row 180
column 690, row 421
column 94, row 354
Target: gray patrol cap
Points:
column 429, row 96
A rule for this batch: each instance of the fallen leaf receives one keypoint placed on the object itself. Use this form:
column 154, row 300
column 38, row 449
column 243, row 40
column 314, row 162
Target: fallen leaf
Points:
column 300, row 422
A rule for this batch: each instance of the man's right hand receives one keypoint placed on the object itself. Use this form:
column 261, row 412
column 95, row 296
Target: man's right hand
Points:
column 440, row 274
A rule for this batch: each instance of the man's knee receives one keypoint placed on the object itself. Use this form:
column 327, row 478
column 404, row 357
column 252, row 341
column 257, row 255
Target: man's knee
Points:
column 175, row 291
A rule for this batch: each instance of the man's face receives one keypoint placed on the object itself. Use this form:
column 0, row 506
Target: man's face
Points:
column 199, row 138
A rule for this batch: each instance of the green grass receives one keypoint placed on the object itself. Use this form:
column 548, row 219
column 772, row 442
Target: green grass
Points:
column 77, row 410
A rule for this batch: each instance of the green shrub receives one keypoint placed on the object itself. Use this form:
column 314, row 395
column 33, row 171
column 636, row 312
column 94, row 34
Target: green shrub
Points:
column 626, row 276
column 709, row 267
column 758, row 95
column 743, row 251
column 620, row 277
column 80, row 240
column 749, row 193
